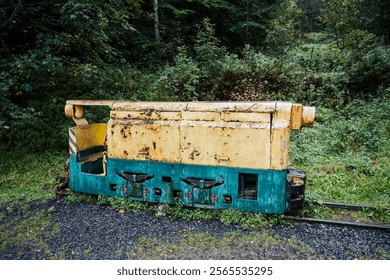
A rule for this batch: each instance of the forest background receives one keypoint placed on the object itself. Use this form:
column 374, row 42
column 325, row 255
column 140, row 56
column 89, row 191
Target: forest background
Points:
column 330, row 54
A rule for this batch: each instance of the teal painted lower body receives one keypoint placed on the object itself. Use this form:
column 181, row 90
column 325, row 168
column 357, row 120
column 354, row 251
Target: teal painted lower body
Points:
column 211, row 187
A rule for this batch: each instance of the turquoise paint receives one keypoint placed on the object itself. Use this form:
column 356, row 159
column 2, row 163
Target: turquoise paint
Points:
column 166, row 181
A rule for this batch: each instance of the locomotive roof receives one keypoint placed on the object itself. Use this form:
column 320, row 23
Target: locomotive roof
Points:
column 269, row 106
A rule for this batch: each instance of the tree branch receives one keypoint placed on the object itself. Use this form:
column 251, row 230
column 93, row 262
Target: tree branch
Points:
column 5, row 23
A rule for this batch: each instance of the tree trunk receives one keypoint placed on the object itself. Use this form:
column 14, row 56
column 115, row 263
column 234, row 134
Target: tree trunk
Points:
column 156, row 22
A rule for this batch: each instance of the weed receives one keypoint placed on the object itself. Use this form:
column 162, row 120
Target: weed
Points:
column 81, row 198
column 87, row 252
column 51, row 210
column 178, row 211
column 317, row 210
column 314, row 210
column 383, row 254
column 122, row 203
column 381, row 215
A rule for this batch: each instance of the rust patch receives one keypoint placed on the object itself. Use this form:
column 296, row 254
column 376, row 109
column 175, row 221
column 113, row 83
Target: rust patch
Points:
column 194, row 154
column 147, row 113
column 123, row 132
column 144, row 151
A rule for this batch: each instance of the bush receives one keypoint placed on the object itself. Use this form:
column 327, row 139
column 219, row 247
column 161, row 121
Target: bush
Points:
column 346, row 153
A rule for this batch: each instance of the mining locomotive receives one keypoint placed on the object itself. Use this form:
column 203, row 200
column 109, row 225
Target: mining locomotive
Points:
column 217, row 155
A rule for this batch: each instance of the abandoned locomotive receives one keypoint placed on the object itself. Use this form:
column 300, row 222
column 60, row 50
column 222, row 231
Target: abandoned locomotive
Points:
column 215, row 155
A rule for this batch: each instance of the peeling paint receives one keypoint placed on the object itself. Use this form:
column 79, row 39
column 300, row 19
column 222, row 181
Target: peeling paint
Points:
column 248, row 134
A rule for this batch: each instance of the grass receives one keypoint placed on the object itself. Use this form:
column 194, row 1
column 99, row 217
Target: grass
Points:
column 192, row 245
column 368, row 216
column 28, row 177
column 346, row 154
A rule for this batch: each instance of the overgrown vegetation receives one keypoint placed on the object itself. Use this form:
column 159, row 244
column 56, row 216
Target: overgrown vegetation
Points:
column 369, row 216
column 28, row 177
column 331, row 54
column 178, row 211
column 207, row 246
column 346, row 155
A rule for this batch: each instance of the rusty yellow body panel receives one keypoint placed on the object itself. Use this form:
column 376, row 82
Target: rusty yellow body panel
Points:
column 231, row 134
column 144, row 140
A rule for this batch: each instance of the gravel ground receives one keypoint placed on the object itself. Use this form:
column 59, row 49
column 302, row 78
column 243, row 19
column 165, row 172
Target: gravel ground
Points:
column 91, row 231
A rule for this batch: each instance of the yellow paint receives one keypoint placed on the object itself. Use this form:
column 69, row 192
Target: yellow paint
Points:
column 145, row 115
column 90, row 135
column 144, row 140
column 296, row 116
column 76, row 112
column 69, row 111
column 247, row 117
column 225, row 144
column 91, row 102
column 234, row 134
column 201, row 116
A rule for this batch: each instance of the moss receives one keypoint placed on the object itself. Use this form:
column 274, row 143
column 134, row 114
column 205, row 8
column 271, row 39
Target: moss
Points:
column 27, row 232
column 255, row 245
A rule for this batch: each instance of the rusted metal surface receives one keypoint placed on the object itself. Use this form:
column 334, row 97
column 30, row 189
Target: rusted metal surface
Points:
column 233, row 134
column 217, row 155
column 108, row 103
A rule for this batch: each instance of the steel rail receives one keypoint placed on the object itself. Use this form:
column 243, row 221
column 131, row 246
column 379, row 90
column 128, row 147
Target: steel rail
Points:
column 339, row 223
column 352, row 207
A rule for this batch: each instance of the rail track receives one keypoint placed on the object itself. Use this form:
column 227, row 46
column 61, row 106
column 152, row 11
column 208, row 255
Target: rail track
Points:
column 351, row 207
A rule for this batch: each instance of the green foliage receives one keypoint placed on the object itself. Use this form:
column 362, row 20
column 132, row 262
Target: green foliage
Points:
column 283, row 32
column 346, row 154
column 249, row 220
column 382, row 215
column 52, row 51
column 65, row 55
column 316, row 210
column 178, row 82
column 29, row 177
column 208, row 50
column 346, row 16
column 178, row 211
column 80, row 198
column 118, row 203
